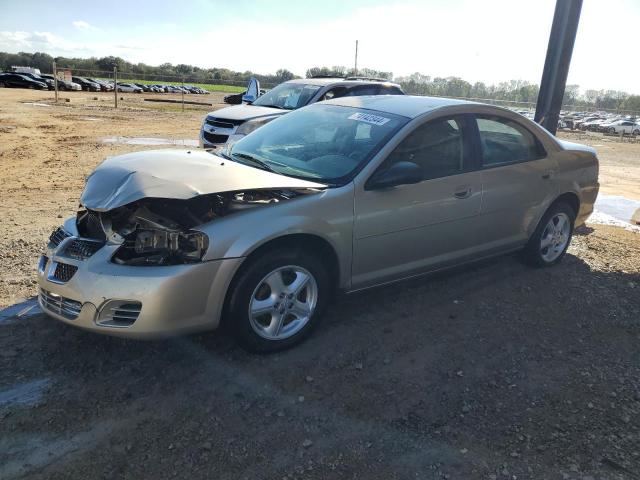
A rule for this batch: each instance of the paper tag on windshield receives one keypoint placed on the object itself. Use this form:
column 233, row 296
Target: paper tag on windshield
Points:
column 369, row 118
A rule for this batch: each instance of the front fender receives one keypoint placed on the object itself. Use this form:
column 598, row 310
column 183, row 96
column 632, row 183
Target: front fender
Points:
column 327, row 214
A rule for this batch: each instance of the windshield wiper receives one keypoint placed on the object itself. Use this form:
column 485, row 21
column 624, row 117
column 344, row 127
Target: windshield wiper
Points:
column 261, row 164
column 223, row 154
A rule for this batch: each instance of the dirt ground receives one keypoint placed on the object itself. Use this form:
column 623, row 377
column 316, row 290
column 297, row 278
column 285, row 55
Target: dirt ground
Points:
column 494, row 372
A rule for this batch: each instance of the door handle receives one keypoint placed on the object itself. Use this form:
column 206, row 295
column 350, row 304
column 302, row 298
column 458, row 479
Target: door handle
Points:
column 462, row 192
column 547, row 175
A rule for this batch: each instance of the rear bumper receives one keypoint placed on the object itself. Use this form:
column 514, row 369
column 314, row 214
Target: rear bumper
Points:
column 587, row 201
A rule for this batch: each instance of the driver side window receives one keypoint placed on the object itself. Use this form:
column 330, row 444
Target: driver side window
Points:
column 437, row 147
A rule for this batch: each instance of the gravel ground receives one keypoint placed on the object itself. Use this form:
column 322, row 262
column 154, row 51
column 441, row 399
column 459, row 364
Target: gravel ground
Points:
column 493, row 372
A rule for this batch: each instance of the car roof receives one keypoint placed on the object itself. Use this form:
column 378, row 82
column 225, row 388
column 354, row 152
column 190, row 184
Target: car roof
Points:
column 330, row 81
column 404, row 105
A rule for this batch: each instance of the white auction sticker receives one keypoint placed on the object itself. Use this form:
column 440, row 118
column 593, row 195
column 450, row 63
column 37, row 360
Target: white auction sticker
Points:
column 369, row 118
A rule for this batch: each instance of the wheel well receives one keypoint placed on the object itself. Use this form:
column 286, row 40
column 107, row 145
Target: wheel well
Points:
column 570, row 199
column 301, row 241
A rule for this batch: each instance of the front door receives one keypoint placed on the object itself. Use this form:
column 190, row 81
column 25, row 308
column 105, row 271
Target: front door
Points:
column 410, row 229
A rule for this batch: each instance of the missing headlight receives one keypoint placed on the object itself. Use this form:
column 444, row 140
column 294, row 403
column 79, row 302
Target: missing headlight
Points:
column 161, row 247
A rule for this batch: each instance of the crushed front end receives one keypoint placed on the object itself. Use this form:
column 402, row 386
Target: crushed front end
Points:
column 138, row 270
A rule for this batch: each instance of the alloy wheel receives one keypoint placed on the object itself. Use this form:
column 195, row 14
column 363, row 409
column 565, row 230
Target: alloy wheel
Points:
column 555, row 237
column 283, row 302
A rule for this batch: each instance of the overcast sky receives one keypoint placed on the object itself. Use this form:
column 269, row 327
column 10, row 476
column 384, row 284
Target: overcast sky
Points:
column 478, row 40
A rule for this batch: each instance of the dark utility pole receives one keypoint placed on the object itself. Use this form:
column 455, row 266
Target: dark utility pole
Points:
column 556, row 65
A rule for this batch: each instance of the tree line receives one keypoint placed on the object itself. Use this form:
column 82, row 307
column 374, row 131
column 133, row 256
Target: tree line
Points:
column 417, row 83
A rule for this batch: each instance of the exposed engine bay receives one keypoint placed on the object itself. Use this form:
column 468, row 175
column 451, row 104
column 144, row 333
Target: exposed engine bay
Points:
column 158, row 231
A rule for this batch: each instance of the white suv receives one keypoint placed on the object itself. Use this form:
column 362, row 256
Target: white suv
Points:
column 232, row 123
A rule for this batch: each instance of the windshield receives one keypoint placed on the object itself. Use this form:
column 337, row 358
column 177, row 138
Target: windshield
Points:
column 288, row 96
column 327, row 143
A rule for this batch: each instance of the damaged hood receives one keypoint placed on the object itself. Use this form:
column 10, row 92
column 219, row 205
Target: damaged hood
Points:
column 178, row 174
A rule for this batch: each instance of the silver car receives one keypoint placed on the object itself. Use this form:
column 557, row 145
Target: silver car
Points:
column 230, row 124
column 338, row 196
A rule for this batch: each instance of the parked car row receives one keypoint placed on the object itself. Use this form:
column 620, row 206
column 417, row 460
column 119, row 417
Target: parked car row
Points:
column 89, row 84
column 21, row 80
column 603, row 122
column 160, row 88
column 613, row 125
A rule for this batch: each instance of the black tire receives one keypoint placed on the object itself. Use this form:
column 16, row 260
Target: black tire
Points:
column 533, row 253
column 236, row 317
column 636, row 132
column 612, row 131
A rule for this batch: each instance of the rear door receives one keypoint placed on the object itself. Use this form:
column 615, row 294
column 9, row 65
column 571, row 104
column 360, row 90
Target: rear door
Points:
column 517, row 180
column 410, row 229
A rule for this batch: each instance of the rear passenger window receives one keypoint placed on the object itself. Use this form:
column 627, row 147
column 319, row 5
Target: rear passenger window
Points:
column 336, row 92
column 504, row 142
column 436, row 146
column 386, row 90
column 364, row 90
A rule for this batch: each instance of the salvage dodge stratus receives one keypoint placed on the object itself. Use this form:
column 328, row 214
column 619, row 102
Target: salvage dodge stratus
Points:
column 341, row 195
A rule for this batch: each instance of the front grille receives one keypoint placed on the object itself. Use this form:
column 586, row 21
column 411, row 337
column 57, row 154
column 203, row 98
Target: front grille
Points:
column 223, row 122
column 81, row 249
column 66, row 307
column 119, row 313
column 213, row 138
column 64, row 272
column 219, row 124
column 57, row 236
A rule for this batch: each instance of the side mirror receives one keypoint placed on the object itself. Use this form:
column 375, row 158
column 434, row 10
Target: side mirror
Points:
column 401, row 173
column 253, row 91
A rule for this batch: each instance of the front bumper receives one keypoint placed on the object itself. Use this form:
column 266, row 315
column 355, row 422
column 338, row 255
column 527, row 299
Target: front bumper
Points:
column 172, row 300
column 213, row 137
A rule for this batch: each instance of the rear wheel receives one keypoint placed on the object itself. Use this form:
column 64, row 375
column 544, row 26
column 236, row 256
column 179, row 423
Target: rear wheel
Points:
column 548, row 244
column 277, row 300
column 612, row 130
column 636, row 132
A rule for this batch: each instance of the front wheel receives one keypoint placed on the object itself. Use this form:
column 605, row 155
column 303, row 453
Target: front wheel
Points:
column 277, row 300
column 548, row 244
column 636, row 132
column 612, row 130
